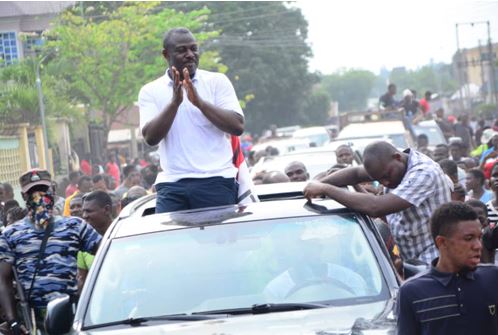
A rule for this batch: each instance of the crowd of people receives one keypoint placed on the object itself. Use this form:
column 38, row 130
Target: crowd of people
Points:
column 440, row 204
column 73, row 219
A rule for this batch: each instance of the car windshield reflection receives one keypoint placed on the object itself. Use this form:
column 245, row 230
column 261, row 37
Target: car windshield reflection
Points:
column 325, row 259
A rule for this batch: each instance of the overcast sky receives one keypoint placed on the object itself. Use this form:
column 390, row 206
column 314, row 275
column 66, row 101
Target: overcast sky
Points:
column 371, row 34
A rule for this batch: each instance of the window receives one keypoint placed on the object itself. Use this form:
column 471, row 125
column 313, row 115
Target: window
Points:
column 32, row 43
column 8, row 47
column 324, row 259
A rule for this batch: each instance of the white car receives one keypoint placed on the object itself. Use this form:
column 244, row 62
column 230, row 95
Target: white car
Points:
column 316, row 136
column 361, row 134
column 315, row 160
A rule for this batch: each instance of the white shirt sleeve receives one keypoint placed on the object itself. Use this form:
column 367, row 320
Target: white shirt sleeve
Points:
column 147, row 107
column 226, row 97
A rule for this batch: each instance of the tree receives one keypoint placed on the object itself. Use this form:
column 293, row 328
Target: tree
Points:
column 19, row 97
column 350, row 88
column 106, row 58
column 264, row 46
column 431, row 77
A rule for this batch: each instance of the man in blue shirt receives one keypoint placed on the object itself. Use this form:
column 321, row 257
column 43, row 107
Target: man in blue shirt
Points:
column 20, row 245
column 457, row 295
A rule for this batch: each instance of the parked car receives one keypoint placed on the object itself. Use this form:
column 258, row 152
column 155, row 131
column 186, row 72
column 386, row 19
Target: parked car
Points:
column 316, row 160
column 283, row 145
column 393, row 131
column 276, row 267
column 433, row 132
column 316, row 136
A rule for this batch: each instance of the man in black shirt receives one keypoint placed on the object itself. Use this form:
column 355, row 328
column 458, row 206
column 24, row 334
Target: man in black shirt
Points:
column 387, row 100
column 456, row 295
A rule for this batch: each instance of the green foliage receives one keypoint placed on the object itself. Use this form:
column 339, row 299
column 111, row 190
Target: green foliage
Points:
column 350, row 88
column 486, row 111
column 19, row 96
column 316, row 106
column 435, row 78
column 109, row 53
column 264, row 46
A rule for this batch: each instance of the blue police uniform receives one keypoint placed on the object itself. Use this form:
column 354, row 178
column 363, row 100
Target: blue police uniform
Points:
column 20, row 245
column 449, row 303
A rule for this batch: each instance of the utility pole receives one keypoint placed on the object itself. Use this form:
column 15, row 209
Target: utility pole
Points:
column 486, row 92
column 41, row 105
column 459, row 65
column 491, row 62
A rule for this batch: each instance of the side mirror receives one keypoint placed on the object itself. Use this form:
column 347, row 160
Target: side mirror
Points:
column 60, row 315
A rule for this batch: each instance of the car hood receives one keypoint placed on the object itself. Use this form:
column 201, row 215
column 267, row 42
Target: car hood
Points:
column 326, row 321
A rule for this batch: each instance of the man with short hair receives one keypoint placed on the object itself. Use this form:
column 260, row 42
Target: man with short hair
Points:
column 190, row 113
column 76, row 205
column 423, row 145
column 132, row 177
column 474, row 184
column 99, row 182
column 456, row 295
column 344, row 154
column 457, row 150
column 443, row 124
column 85, row 185
column 451, row 169
column 441, row 151
column 8, row 192
column 414, row 187
column 46, row 276
column 97, row 211
column 296, row 171
column 387, row 100
column 73, row 183
column 424, row 103
column 465, row 132
column 134, row 193
column 112, row 168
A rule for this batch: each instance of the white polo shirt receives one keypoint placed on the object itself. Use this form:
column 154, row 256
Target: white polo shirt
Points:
column 193, row 147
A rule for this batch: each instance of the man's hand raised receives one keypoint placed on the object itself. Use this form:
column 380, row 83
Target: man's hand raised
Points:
column 177, row 86
column 191, row 91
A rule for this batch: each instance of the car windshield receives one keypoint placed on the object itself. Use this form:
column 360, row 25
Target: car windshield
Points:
column 321, row 259
column 434, row 134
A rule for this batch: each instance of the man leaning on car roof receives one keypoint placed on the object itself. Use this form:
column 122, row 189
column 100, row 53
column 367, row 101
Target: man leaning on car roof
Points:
column 414, row 187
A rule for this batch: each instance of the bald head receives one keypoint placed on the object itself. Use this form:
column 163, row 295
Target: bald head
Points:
column 379, row 152
column 296, row 171
column 384, row 163
column 344, row 154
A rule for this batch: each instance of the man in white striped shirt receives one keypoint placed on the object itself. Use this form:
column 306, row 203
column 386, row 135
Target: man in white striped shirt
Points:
column 415, row 186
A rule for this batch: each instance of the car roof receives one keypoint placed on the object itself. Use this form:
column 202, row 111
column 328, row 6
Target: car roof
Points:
column 310, row 131
column 371, row 129
column 315, row 160
column 134, row 223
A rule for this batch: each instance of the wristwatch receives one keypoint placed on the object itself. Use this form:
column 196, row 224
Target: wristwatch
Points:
column 15, row 326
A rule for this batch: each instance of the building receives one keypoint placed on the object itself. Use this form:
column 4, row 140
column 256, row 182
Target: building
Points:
column 21, row 25
column 477, row 66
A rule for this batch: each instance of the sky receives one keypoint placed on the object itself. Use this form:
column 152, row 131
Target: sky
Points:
column 371, row 34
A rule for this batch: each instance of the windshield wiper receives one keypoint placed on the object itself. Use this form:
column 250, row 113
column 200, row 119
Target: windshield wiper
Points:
column 265, row 308
column 138, row 321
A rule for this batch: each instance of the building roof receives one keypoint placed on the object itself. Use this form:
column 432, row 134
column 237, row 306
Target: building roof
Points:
column 27, row 8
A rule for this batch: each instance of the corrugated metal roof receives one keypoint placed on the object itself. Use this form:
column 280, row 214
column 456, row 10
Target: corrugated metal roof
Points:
column 28, row 8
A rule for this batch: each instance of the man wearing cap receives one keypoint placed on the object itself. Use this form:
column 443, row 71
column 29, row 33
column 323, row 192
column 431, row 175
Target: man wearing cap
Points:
column 487, row 135
column 492, row 143
column 46, row 275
